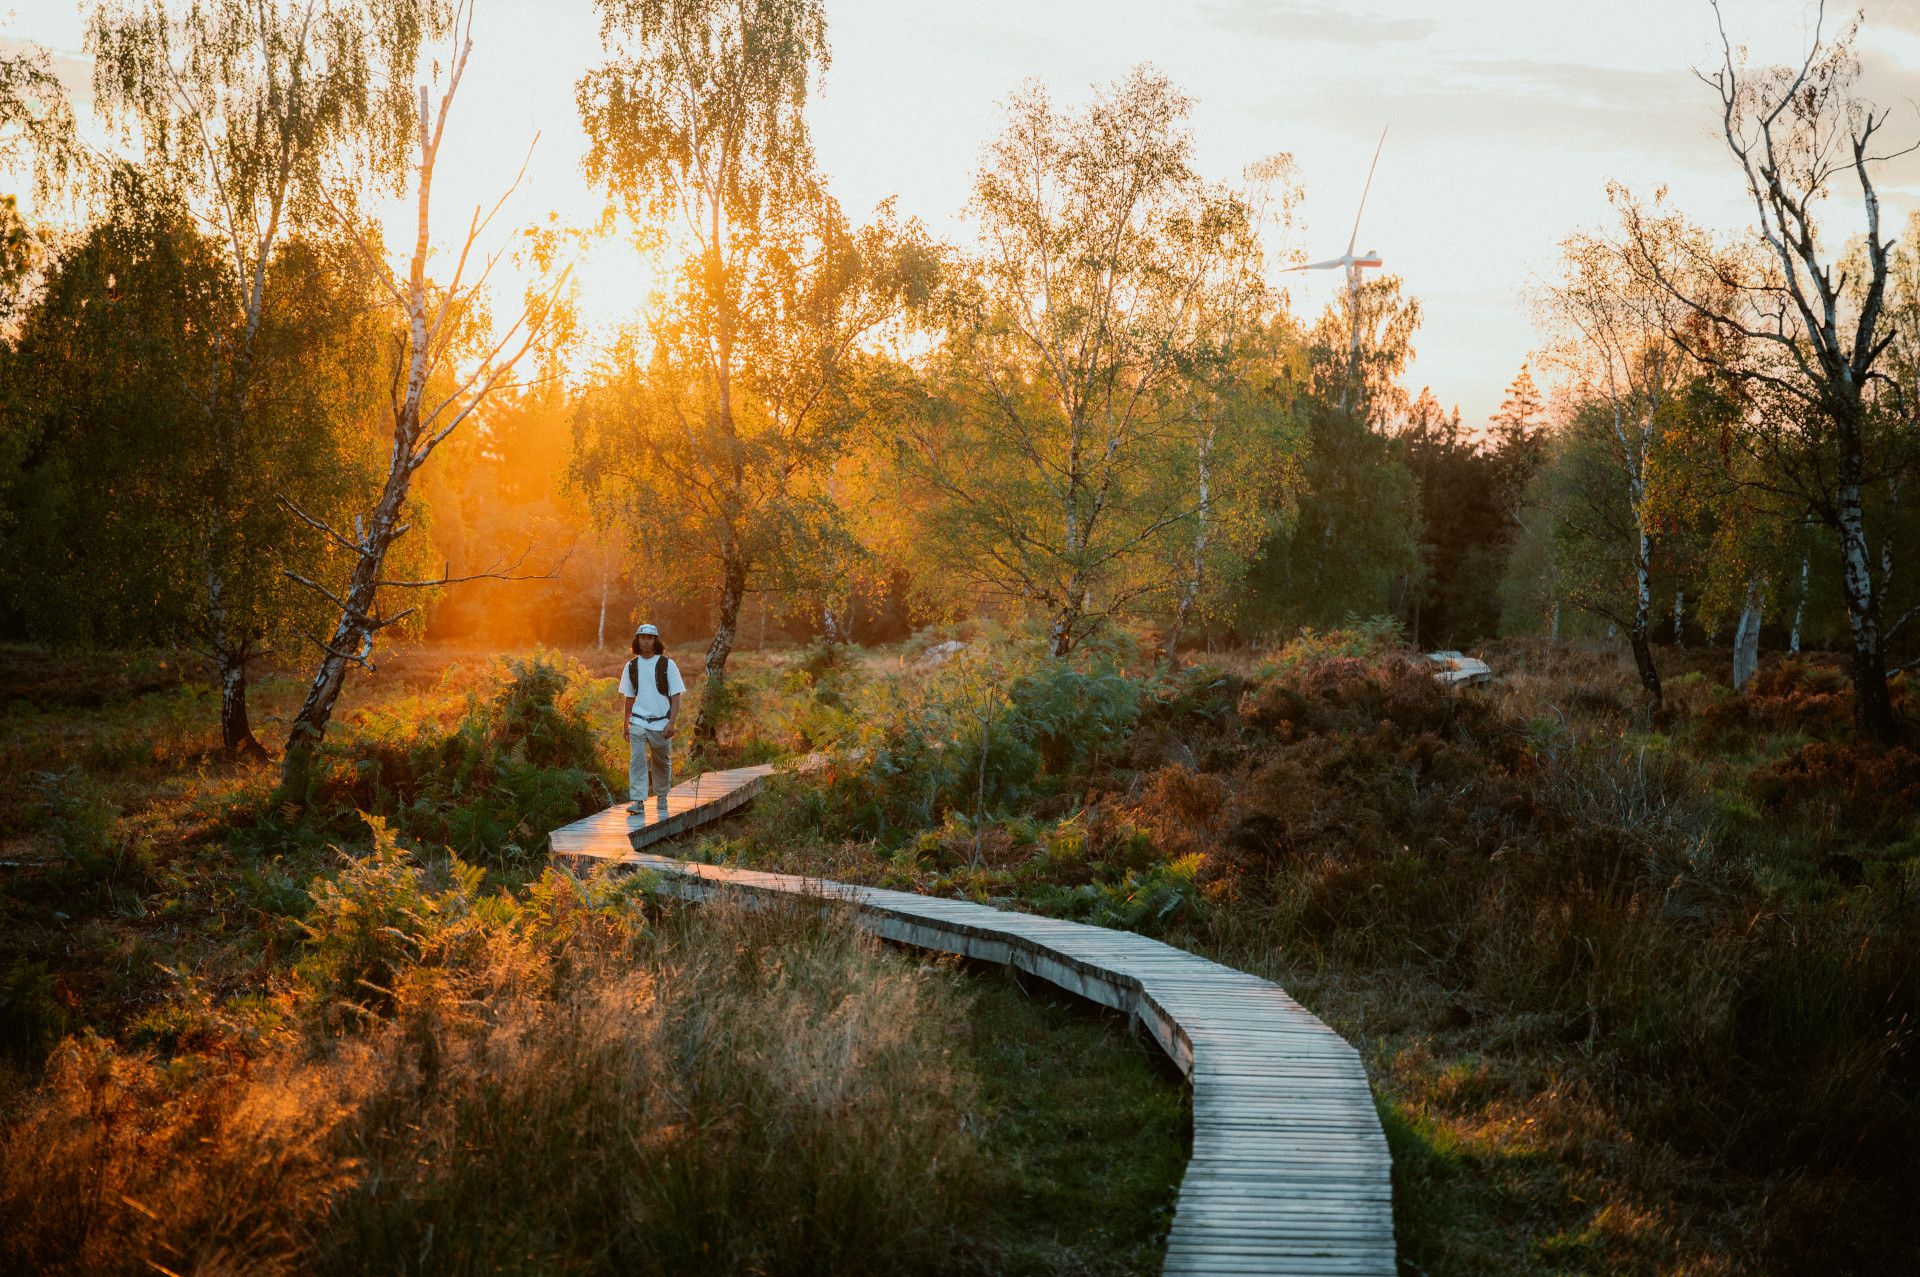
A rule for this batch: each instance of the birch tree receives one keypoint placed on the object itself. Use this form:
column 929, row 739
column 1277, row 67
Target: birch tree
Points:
column 1890, row 503
column 36, row 132
column 1241, row 440
column 238, row 104
column 1782, row 313
column 1616, row 347
column 733, row 492
column 698, row 132
column 1068, row 342
column 445, row 366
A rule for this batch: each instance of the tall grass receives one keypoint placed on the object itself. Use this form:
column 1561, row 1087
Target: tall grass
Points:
column 569, row 1082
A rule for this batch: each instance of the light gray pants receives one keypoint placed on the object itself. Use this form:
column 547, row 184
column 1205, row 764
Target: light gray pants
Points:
column 649, row 760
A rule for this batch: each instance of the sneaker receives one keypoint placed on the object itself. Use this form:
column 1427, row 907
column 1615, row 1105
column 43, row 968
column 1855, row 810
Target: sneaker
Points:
column 661, row 806
column 638, row 806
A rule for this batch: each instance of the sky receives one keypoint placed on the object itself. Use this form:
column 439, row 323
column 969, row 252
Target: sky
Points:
column 1505, row 121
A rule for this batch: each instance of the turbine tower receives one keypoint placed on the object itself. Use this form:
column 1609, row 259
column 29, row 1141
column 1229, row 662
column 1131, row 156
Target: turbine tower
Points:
column 1353, row 265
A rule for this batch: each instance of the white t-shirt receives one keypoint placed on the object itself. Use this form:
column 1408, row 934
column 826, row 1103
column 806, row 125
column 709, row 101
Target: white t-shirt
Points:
column 649, row 707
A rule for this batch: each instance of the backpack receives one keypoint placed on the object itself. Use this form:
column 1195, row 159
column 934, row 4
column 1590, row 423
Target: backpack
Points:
column 659, row 674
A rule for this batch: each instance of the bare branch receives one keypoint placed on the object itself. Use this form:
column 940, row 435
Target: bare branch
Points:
column 355, row 658
column 319, row 525
column 316, row 587
column 507, row 572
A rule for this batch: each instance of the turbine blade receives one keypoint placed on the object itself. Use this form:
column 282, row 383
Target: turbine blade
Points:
column 1355, row 237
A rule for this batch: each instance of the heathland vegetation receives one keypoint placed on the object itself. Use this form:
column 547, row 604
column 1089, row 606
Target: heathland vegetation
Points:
column 1634, row 989
column 226, row 1044
column 1100, row 573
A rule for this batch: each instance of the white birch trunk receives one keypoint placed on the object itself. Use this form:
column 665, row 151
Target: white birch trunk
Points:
column 1886, row 544
column 1856, row 566
column 359, row 616
column 1643, row 583
column 1196, row 573
column 1746, row 635
column 1800, row 607
column 1060, row 633
column 606, row 586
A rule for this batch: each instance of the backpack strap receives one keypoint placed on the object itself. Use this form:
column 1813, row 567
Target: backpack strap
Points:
column 659, row 674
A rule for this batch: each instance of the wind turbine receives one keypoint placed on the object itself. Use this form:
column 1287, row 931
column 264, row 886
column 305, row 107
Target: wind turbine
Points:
column 1353, row 265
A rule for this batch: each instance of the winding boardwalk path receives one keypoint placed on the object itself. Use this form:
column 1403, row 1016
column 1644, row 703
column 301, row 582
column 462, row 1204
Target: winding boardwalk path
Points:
column 1289, row 1173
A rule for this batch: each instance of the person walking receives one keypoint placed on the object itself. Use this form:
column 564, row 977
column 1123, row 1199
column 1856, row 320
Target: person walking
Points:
column 652, row 687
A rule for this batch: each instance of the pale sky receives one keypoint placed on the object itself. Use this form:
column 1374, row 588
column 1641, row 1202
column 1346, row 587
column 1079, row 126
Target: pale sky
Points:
column 1506, row 120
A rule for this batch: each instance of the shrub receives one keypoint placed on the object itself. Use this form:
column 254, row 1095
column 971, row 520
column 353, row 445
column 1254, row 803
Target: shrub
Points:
column 31, row 1016
column 377, row 918
column 814, row 709
column 1793, row 695
column 1153, row 900
column 1360, row 640
column 491, row 785
column 1326, row 694
column 1858, row 789
column 995, row 733
column 95, row 862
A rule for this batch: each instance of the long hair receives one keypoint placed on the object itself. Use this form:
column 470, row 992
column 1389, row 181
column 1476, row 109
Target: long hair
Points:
column 660, row 649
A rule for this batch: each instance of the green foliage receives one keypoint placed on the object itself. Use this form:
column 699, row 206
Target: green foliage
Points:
column 1107, row 260
column 653, row 116
column 814, row 703
column 100, row 433
column 97, row 864
column 19, row 253
column 31, row 1017
column 490, row 786
column 36, row 126
column 73, row 812
column 376, row 918
column 1161, row 898
column 1355, row 542
column 1357, row 639
column 991, row 732
column 1465, row 521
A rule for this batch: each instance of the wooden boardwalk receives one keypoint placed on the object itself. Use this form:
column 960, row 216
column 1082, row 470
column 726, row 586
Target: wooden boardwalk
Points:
column 1289, row 1173
column 616, row 832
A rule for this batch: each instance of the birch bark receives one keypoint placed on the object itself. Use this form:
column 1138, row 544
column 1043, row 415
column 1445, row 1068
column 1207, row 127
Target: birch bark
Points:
column 1746, row 635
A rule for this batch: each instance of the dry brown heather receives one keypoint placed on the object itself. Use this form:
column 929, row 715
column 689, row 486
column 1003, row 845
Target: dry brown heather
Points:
column 1638, row 992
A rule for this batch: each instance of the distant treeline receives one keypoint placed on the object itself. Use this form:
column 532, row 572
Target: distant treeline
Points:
column 1096, row 412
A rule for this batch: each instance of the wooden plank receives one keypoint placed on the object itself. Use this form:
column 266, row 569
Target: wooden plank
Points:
column 1289, row 1173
